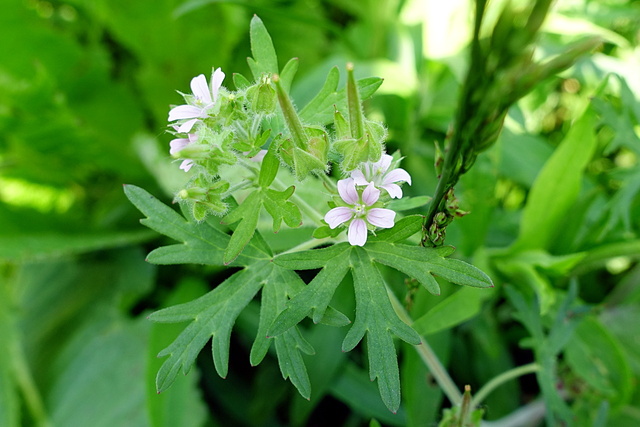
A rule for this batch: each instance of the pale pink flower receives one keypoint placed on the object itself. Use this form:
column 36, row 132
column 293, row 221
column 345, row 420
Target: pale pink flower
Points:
column 178, row 144
column 379, row 174
column 359, row 213
column 204, row 97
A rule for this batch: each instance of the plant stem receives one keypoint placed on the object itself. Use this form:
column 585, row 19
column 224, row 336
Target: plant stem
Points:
column 428, row 356
column 28, row 387
column 501, row 379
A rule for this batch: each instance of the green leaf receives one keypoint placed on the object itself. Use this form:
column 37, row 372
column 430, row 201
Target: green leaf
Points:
column 288, row 73
column 596, row 356
column 248, row 214
column 356, row 390
column 9, row 398
column 422, row 263
column 375, row 317
column 322, row 107
column 315, row 297
column 240, row 81
column 264, row 59
column 277, row 288
column 280, row 208
column 453, row 310
column 408, row 203
column 212, row 316
column 307, row 260
column 556, row 188
column 22, row 247
column 269, row 167
column 402, row 230
column 201, row 242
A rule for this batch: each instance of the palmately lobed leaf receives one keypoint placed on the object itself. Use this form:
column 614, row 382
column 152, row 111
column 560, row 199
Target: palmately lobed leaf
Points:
column 202, row 243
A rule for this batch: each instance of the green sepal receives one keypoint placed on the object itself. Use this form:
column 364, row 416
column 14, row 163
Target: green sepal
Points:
column 262, row 97
column 341, row 126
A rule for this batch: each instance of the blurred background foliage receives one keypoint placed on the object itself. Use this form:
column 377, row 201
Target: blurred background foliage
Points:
column 85, row 88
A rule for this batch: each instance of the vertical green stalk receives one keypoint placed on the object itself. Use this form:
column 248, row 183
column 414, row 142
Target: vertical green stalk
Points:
column 356, row 116
column 298, row 134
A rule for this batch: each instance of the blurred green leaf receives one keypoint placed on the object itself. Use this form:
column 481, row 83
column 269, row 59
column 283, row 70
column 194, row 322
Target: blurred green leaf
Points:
column 557, row 186
column 596, row 357
column 453, row 310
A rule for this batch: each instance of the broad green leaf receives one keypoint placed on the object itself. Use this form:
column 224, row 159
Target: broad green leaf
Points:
column 463, row 305
column 24, row 247
column 288, row 73
column 556, row 188
column 212, row 317
column 201, row 243
column 616, row 320
column 595, row 355
column 90, row 380
column 288, row 347
column 307, row 260
column 264, row 59
column 9, row 398
column 240, row 81
column 356, row 390
column 376, row 318
column 422, row 263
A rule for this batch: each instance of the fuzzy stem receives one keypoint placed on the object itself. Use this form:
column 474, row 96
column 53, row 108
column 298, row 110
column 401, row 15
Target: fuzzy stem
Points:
column 428, row 356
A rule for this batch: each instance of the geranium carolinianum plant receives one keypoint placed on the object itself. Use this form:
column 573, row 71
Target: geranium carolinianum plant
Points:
column 250, row 154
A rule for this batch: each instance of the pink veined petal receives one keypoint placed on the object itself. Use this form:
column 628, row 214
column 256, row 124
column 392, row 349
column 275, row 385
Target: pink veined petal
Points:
column 177, row 145
column 186, row 165
column 186, row 126
column 383, row 218
column 192, row 137
column 397, row 175
column 394, row 190
column 370, row 195
column 347, row 190
column 200, row 89
column 337, row 216
column 357, row 234
column 184, row 112
column 216, row 81
column 359, row 177
column 384, row 163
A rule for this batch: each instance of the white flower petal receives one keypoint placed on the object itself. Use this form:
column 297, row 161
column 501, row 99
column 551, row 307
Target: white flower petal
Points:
column 394, row 190
column 186, row 126
column 348, row 192
column 383, row 164
column 184, row 112
column 216, row 81
column 177, row 145
column 397, row 175
column 359, row 178
column 357, row 233
column 186, row 165
column 383, row 218
column 370, row 195
column 200, row 89
column 337, row 216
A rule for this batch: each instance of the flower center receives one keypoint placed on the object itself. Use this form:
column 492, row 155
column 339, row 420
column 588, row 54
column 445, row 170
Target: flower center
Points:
column 359, row 210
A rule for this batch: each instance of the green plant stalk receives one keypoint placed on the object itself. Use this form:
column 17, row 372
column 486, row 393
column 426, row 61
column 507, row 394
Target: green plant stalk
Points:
column 28, row 387
column 428, row 356
column 498, row 380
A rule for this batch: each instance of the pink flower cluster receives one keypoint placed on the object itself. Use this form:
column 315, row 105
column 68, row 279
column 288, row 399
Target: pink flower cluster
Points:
column 361, row 211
